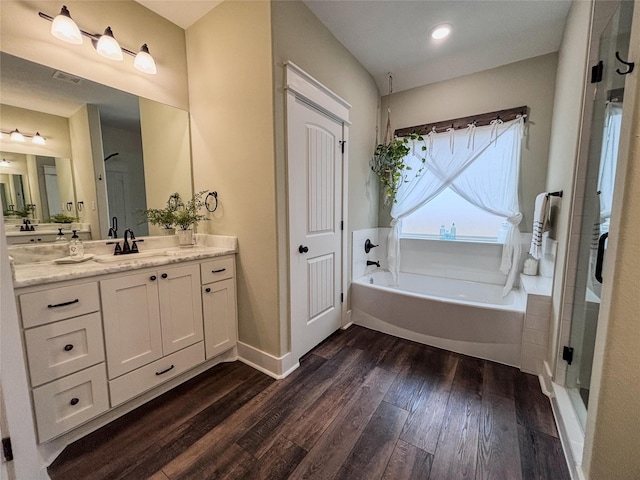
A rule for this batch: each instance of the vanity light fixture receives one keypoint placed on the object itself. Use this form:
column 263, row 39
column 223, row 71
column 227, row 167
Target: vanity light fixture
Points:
column 17, row 136
column 144, row 61
column 5, row 163
column 441, row 31
column 65, row 29
column 38, row 139
column 106, row 45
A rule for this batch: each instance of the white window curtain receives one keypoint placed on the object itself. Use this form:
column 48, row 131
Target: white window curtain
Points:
column 480, row 164
column 609, row 157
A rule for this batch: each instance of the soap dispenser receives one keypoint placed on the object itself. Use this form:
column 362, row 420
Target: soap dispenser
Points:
column 76, row 249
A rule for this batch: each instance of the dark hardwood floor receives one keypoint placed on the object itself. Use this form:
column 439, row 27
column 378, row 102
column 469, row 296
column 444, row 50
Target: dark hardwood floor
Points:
column 362, row 405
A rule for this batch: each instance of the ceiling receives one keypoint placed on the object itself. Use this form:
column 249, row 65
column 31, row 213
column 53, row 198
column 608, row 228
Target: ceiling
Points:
column 392, row 36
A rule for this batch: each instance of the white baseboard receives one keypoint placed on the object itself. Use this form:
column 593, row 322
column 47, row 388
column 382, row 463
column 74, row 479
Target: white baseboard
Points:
column 275, row 367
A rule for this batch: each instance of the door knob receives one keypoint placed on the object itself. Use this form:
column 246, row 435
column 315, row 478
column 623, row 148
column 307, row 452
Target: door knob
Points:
column 303, row 249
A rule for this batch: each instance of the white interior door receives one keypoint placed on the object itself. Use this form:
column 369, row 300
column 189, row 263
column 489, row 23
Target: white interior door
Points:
column 315, row 215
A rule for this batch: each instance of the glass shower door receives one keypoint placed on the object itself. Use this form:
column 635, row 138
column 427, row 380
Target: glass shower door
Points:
column 596, row 211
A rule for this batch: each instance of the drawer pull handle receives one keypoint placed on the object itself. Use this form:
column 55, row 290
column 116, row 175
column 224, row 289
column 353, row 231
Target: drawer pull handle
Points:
column 68, row 348
column 74, row 401
column 220, row 270
column 64, row 304
column 152, row 278
column 208, row 289
column 165, row 371
column 164, row 275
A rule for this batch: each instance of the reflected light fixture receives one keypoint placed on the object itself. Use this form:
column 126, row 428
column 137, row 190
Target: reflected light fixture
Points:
column 108, row 46
column 16, row 136
column 65, row 29
column 38, row 139
column 144, row 61
column 5, row 163
column 441, row 31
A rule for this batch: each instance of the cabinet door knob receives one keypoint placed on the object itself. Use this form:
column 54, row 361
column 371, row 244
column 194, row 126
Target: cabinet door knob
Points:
column 303, row 249
column 68, row 348
column 153, row 278
column 164, row 275
column 208, row 289
column 74, row 401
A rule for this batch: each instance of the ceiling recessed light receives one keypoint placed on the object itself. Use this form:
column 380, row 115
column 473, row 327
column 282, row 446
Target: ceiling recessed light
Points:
column 441, row 31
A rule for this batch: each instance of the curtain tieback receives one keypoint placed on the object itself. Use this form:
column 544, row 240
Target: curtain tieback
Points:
column 471, row 131
column 515, row 219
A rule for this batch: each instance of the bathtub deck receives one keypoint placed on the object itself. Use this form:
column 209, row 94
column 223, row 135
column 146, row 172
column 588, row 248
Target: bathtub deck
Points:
column 363, row 405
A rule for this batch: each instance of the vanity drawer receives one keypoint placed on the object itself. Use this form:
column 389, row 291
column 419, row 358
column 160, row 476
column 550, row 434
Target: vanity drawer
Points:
column 64, row 347
column 70, row 401
column 145, row 378
column 48, row 306
column 219, row 269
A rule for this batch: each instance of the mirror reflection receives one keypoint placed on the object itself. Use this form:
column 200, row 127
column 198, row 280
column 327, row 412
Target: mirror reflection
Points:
column 108, row 153
column 36, row 187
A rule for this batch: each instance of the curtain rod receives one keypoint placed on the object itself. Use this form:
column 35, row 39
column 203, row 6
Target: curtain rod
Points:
column 463, row 122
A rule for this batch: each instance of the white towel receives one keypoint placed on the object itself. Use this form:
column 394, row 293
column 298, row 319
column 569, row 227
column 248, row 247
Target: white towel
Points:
column 540, row 215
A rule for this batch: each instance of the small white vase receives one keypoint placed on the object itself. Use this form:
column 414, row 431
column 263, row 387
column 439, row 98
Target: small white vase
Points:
column 167, row 231
column 185, row 237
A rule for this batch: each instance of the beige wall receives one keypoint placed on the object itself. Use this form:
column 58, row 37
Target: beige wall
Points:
column 230, row 88
column 298, row 36
column 167, row 154
column 54, row 128
column 26, row 35
column 563, row 149
column 83, row 172
column 612, row 441
column 529, row 82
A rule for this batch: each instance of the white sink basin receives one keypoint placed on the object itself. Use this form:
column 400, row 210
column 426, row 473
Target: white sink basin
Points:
column 130, row 257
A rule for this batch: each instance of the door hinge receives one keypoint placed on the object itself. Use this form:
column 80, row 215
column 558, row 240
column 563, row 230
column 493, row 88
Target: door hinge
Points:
column 341, row 224
column 7, row 451
column 342, row 143
column 596, row 72
column 342, row 298
column 567, row 354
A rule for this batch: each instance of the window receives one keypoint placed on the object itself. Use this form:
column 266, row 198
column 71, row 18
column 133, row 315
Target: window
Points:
column 471, row 222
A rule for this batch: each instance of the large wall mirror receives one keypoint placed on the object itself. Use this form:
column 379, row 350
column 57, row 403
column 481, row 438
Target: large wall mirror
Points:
column 108, row 153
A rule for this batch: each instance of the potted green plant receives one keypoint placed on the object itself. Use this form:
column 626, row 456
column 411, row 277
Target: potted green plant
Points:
column 62, row 218
column 388, row 163
column 187, row 216
column 163, row 217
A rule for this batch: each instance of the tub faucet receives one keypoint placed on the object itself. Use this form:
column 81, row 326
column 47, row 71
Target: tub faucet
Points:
column 377, row 264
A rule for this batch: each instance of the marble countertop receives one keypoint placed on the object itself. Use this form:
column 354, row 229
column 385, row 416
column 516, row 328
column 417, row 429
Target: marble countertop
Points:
column 36, row 264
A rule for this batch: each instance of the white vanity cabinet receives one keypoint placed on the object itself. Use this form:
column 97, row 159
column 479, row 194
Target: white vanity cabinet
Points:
column 147, row 317
column 65, row 356
column 219, row 305
column 93, row 344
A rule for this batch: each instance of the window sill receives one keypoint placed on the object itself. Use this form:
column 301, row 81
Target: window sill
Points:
column 462, row 239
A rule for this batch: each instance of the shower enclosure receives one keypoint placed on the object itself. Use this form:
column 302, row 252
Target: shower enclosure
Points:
column 597, row 180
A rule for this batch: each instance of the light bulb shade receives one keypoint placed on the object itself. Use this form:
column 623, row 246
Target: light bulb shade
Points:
column 144, row 61
column 38, row 139
column 16, row 136
column 441, row 31
column 108, row 46
column 65, row 29
column 4, row 163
